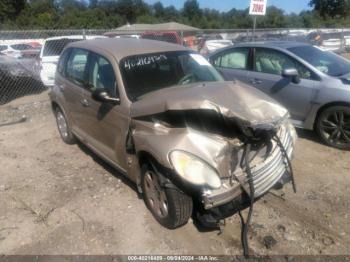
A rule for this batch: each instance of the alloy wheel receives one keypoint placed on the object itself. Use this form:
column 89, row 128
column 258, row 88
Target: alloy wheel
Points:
column 62, row 124
column 335, row 128
column 155, row 195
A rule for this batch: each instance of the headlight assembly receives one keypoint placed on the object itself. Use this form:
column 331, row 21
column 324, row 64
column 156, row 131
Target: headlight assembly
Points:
column 194, row 170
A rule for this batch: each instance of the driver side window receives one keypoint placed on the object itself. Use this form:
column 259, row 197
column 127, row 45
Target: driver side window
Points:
column 274, row 62
column 102, row 76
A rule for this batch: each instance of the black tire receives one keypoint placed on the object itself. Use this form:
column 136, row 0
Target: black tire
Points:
column 67, row 135
column 179, row 205
column 333, row 127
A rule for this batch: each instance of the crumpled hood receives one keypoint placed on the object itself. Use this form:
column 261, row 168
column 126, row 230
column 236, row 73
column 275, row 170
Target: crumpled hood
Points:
column 231, row 99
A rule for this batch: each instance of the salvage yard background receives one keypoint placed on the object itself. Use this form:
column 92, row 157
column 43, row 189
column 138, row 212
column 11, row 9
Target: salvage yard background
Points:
column 60, row 199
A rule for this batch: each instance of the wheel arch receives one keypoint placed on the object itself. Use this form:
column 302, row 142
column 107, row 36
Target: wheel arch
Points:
column 145, row 157
column 326, row 106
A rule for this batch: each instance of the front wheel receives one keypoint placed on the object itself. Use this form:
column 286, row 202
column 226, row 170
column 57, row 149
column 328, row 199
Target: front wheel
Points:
column 169, row 205
column 333, row 126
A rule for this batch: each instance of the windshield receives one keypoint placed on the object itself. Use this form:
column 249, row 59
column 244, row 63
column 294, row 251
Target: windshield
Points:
column 143, row 74
column 325, row 61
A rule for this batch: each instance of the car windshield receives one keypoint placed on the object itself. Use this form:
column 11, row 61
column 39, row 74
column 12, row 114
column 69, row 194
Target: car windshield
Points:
column 55, row 47
column 325, row 61
column 143, row 74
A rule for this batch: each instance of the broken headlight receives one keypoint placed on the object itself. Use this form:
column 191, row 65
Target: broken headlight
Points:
column 194, row 170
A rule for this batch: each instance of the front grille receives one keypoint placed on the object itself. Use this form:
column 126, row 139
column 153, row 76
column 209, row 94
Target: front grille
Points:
column 267, row 173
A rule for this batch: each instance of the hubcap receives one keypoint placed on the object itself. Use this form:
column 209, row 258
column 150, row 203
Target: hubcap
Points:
column 62, row 124
column 335, row 127
column 155, row 195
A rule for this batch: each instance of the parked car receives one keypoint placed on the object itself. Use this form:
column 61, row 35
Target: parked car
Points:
column 164, row 117
column 128, row 36
column 14, row 50
column 50, row 53
column 347, row 40
column 211, row 46
column 203, row 38
column 16, row 80
column 328, row 41
column 313, row 84
column 246, row 38
column 166, row 36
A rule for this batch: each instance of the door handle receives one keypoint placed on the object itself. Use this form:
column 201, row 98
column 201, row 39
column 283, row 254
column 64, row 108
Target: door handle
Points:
column 256, row 81
column 84, row 102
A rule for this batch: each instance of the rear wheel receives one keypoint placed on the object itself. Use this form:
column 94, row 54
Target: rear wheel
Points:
column 333, row 126
column 63, row 127
column 169, row 205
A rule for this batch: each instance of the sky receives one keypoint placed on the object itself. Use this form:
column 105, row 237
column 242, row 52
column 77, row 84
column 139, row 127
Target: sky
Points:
column 226, row 5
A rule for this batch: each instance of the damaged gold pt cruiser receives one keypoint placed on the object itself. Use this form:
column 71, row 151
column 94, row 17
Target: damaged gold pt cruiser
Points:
column 163, row 116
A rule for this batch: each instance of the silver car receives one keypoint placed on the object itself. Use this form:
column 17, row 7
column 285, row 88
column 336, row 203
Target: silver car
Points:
column 313, row 84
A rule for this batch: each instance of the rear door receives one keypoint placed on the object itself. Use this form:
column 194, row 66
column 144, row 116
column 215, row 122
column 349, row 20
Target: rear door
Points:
column 233, row 63
column 267, row 76
column 70, row 82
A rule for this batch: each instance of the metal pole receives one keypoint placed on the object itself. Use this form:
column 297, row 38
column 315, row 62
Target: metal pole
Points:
column 254, row 27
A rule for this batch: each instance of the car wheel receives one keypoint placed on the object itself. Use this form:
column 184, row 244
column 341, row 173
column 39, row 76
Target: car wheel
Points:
column 170, row 206
column 63, row 127
column 333, row 126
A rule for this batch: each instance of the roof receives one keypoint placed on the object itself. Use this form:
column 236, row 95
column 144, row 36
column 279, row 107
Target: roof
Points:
column 278, row 44
column 74, row 37
column 172, row 26
column 123, row 47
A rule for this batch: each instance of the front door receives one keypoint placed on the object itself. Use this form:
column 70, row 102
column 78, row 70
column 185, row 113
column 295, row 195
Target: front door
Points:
column 267, row 76
column 105, row 124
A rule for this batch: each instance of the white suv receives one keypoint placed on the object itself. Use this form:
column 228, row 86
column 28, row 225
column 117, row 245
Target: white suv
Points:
column 50, row 53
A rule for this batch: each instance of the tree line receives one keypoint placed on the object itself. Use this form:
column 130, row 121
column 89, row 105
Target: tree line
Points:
column 96, row 14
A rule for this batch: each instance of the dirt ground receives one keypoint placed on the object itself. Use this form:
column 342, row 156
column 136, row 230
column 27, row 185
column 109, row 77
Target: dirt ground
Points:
column 60, row 199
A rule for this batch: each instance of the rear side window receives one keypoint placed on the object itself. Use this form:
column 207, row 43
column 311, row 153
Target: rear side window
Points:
column 55, row 47
column 76, row 65
column 234, row 59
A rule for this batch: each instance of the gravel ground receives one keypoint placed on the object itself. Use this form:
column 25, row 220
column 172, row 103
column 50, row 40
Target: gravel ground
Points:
column 60, row 199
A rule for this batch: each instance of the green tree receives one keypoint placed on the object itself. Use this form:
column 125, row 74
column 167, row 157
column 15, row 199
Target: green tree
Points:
column 331, row 8
column 158, row 10
column 9, row 9
column 191, row 9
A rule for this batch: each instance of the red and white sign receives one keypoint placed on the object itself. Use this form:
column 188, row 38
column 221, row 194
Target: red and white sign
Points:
column 257, row 7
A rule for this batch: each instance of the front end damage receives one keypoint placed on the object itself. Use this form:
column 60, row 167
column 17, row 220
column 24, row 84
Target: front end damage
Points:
column 225, row 129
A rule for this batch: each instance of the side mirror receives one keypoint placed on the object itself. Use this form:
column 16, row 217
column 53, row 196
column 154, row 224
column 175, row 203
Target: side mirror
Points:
column 291, row 73
column 101, row 95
